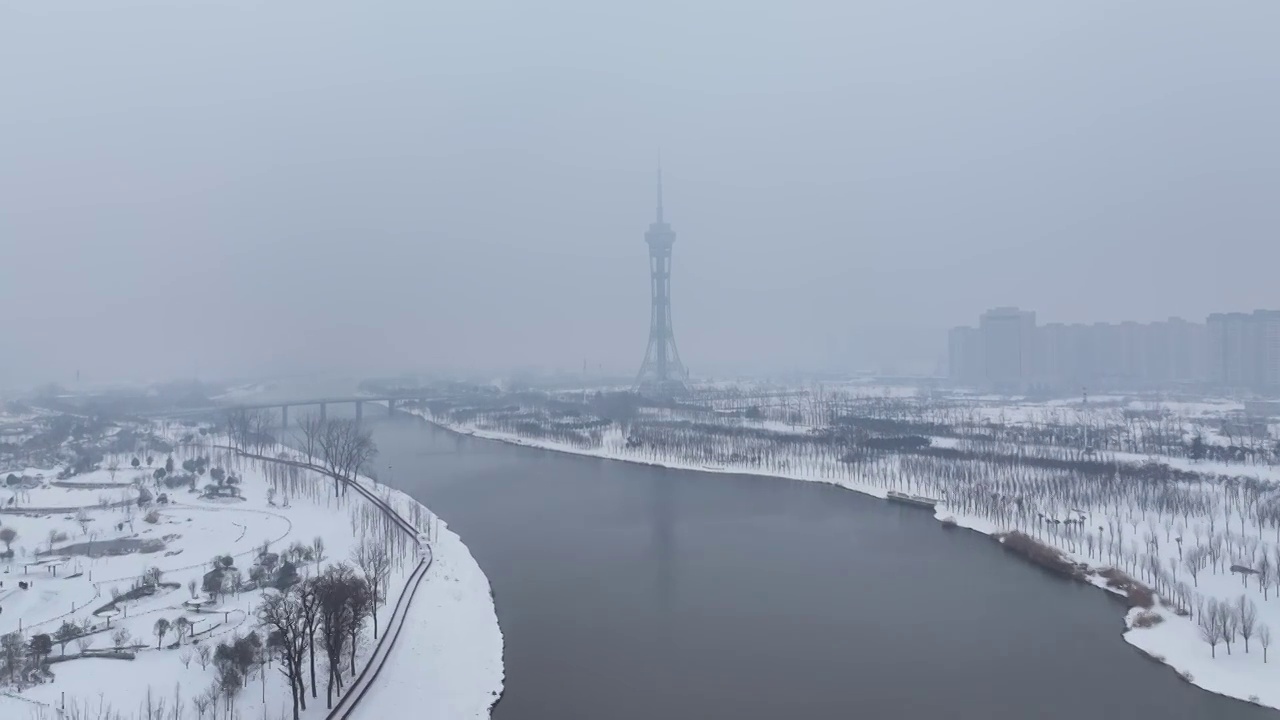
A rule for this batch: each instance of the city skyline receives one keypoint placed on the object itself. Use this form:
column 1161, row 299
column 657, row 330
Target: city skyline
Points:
column 1010, row 351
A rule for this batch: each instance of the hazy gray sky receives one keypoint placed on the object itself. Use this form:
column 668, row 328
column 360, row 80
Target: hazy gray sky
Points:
column 235, row 187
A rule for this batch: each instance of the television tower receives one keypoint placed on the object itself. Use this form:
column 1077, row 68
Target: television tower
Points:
column 661, row 371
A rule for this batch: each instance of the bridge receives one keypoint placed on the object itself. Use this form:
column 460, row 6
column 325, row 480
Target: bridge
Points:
column 283, row 406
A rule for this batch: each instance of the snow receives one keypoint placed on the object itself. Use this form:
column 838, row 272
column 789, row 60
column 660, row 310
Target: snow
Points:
column 452, row 646
column 446, row 638
column 1175, row 641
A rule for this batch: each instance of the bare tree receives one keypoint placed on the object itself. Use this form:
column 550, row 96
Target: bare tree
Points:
column 1265, row 572
column 375, row 562
column 1210, row 627
column 1229, row 623
column 229, row 682
column 335, row 588
column 214, row 696
column 239, row 428
column 84, row 643
column 345, row 448
column 261, row 423
column 205, row 654
column 186, row 656
column 1246, row 618
column 359, row 606
column 309, row 606
column 120, row 637
column 178, row 710
column 310, row 429
column 282, row 614
column 13, row 649
column 1264, row 639
column 317, row 545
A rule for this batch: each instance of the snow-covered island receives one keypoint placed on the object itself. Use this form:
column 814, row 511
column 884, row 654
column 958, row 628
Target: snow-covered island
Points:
column 159, row 572
column 1173, row 505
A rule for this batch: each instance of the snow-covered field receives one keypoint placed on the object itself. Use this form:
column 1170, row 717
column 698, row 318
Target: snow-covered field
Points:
column 1182, row 542
column 447, row 657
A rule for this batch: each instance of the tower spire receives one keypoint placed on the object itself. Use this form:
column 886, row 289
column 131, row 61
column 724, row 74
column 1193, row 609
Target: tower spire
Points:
column 659, row 186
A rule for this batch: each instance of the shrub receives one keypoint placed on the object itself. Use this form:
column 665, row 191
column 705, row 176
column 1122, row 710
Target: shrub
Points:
column 1046, row 557
column 1147, row 618
column 1186, row 675
column 152, row 517
column 1138, row 595
column 1141, row 596
column 949, row 522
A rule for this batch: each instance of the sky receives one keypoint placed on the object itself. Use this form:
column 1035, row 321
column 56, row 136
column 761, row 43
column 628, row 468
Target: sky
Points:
column 233, row 188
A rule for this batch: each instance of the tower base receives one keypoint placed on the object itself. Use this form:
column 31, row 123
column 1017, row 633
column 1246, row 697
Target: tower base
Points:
column 662, row 388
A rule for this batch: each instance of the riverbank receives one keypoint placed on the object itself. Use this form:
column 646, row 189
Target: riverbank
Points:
column 1174, row 640
column 447, row 660
column 439, row 648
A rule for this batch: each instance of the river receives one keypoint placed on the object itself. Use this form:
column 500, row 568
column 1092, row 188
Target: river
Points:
column 639, row 593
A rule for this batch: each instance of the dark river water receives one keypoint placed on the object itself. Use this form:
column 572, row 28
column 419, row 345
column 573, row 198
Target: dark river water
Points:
column 639, row 593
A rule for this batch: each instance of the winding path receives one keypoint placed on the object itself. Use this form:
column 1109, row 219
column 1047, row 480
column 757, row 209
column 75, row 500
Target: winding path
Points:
column 377, row 661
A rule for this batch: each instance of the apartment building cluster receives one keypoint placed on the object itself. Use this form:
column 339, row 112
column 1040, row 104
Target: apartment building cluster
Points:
column 1009, row 352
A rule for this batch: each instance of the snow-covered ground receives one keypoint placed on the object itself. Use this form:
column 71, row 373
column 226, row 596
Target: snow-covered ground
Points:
column 1176, row 639
column 451, row 636
column 450, row 642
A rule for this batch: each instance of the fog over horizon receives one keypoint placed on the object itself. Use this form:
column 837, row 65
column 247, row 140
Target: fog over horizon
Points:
column 233, row 188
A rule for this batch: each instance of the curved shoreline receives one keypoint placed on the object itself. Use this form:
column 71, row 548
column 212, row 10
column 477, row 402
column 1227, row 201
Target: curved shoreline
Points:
column 446, row 548
column 1146, row 642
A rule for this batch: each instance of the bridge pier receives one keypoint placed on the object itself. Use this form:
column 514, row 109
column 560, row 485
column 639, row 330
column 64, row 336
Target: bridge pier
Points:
column 359, row 410
column 391, row 406
column 284, row 416
column 323, row 413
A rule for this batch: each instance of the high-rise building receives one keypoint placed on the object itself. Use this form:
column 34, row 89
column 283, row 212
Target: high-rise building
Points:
column 1188, row 345
column 1230, row 350
column 1268, row 330
column 1008, row 347
column 964, row 356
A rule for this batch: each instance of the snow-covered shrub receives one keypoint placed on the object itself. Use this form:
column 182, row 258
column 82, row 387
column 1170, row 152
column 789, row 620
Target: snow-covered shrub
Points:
column 1147, row 618
column 1043, row 555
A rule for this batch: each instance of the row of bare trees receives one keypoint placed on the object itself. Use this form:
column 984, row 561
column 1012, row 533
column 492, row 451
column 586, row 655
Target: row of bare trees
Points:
column 1221, row 621
column 343, row 446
